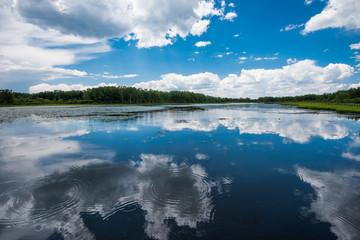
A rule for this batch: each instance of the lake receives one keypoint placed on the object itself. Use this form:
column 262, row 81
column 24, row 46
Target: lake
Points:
column 233, row 171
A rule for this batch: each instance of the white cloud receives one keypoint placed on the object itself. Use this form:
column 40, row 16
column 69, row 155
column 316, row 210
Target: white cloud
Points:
column 355, row 46
column 200, row 27
column 242, row 58
column 46, row 34
column 336, row 14
column 203, row 43
column 351, row 156
column 202, row 82
column 33, row 53
column 42, row 87
column 119, row 76
column 308, row 2
column 236, row 35
column 265, row 58
column 355, row 85
column 291, row 61
column 219, row 56
column 230, row 16
column 223, row 4
column 151, row 23
column 303, row 77
column 231, row 5
column 357, row 58
column 291, row 27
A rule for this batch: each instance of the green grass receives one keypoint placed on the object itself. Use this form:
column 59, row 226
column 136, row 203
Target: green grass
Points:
column 345, row 109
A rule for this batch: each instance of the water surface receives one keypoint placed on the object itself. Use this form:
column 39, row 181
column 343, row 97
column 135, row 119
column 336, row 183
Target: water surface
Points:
column 235, row 171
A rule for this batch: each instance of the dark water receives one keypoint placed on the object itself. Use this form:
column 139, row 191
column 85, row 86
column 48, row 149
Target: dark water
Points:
column 240, row 171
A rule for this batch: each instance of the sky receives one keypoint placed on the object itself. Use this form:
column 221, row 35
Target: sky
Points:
column 231, row 48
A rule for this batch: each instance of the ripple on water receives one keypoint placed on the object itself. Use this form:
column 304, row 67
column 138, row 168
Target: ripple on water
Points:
column 56, row 195
column 44, row 234
column 182, row 190
column 41, row 199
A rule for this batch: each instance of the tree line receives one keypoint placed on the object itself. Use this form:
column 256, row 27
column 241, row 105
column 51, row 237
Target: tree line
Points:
column 110, row 95
column 131, row 95
column 344, row 96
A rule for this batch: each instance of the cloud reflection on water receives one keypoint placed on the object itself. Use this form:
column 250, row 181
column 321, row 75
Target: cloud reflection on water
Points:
column 295, row 124
column 353, row 149
column 49, row 175
column 162, row 188
column 337, row 200
column 29, row 150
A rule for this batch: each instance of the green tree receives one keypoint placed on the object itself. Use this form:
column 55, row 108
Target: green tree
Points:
column 6, row 97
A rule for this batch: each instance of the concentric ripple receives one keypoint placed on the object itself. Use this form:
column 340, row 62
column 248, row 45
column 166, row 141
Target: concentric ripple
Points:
column 42, row 199
column 182, row 191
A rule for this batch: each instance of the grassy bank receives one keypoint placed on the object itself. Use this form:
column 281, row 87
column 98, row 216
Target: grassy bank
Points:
column 339, row 108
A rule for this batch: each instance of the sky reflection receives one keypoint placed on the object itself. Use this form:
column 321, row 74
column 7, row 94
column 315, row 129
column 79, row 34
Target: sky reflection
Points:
column 179, row 172
column 294, row 124
column 162, row 188
column 337, row 199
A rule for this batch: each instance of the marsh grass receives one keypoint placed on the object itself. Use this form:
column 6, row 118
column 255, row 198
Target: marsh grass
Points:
column 339, row 108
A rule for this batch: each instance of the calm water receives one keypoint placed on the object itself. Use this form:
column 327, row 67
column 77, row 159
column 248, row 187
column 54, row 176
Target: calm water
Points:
column 239, row 171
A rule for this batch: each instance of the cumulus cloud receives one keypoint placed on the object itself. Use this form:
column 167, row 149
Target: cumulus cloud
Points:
column 303, row 77
column 203, row 43
column 29, row 52
column 336, row 14
column 355, row 46
column 197, row 82
column 200, row 27
column 151, row 23
column 46, row 34
column 308, row 2
column 355, row 85
column 230, row 16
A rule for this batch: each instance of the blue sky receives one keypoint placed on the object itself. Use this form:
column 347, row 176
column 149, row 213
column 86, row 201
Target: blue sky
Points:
column 239, row 48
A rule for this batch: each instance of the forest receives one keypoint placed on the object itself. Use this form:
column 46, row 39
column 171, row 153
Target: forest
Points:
column 131, row 95
column 110, row 95
column 344, row 96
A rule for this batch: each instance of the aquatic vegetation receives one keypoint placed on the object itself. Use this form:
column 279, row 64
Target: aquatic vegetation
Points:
column 339, row 108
